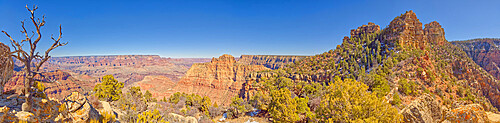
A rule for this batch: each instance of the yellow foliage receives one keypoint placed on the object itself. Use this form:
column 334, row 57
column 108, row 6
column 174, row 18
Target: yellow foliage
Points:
column 107, row 117
column 62, row 108
column 41, row 88
column 22, row 121
column 109, row 90
column 150, row 117
column 94, row 121
column 349, row 101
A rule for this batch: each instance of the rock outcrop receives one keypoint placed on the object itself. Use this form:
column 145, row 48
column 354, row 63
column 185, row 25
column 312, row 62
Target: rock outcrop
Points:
column 79, row 109
column 269, row 61
column 74, row 108
column 406, row 30
column 6, row 66
column 472, row 113
column 220, row 79
column 364, row 30
column 434, row 33
column 42, row 110
column 423, row 110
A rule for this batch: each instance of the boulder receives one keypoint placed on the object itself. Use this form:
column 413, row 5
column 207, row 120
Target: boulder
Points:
column 425, row 109
column 26, row 116
column 472, row 113
column 79, row 108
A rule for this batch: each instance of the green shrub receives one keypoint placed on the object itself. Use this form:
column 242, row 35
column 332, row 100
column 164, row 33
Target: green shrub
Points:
column 350, row 101
column 150, row 117
column 109, row 90
column 149, row 97
column 238, row 107
column 284, row 108
column 395, row 99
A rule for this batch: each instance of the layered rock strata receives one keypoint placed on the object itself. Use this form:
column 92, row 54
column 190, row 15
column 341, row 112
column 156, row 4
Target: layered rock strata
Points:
column 220, row 80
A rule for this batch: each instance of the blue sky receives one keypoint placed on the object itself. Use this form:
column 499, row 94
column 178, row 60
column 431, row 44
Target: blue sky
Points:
column 209, row 28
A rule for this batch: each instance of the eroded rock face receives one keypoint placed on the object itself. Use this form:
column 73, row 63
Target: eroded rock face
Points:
column 220, row 79
column 79, row 108
column 6, row 66
column 269, row 61
column 405, row 30
column 472, row 113
column 434, row 33
column 423, row 110
column 365, row 29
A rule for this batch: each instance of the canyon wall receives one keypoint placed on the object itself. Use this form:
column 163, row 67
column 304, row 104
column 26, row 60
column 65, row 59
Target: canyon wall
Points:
column 485, row 52
column 220, row 79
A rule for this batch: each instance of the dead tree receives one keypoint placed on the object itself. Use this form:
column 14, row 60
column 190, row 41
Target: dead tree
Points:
column 31, row 58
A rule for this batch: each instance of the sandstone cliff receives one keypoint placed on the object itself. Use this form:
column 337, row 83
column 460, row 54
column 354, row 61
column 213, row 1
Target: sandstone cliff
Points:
column 406, row 30
column 220, row 79
column 269, row 61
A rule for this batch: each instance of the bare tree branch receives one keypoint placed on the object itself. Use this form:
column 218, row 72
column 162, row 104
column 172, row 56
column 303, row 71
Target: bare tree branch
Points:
column 31, row 58
column 18, row 47
column 56, row 44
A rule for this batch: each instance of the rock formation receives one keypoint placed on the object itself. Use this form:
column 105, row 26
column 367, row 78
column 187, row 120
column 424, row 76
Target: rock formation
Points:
column 6, row 66
column 79, row 109
column 221, row 79
column 47, row 110
column 423, row 110
column 365, row 29
column 434, row 33
column 472, row 113
column 269, row 61
column 406, row 30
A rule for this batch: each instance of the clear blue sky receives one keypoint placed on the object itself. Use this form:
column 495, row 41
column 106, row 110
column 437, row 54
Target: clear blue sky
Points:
column 209, row 28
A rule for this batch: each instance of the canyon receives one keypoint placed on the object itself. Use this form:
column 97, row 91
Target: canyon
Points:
column 485, row 52
column 220, row 79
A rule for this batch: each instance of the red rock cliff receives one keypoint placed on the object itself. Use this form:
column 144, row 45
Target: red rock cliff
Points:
column 405, row 30
column 221, row 79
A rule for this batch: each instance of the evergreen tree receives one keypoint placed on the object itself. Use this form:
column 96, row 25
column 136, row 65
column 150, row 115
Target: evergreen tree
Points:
column 109, row 90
